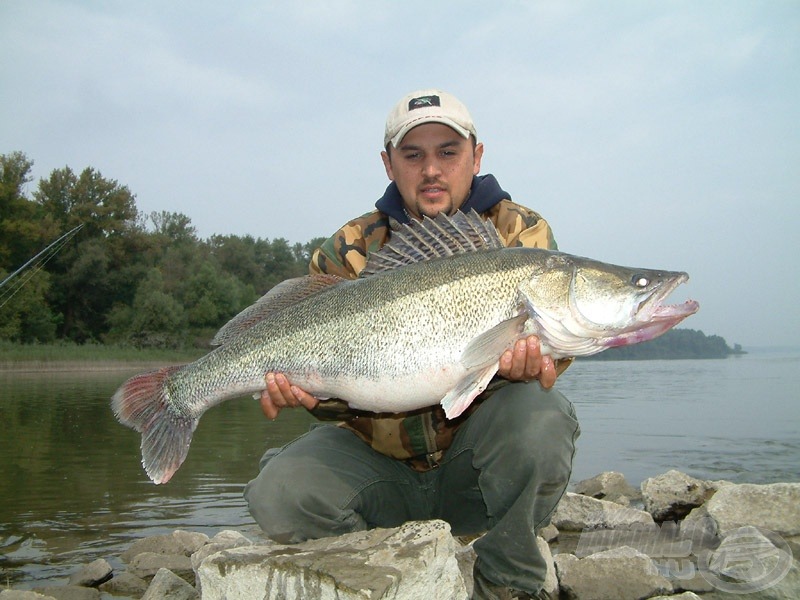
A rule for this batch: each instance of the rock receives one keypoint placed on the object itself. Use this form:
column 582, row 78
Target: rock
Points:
column 415, row 560
column 224, row 540
column 23, row 595
column 465, row 558
column 125, row 584
column 549, row 533
column 683, row 596
column 775, row 507
column 619, row 574
column 166, row 584
column 69, row 592
column 177, row 542
column 610, row 486
column 147, row 564
column 673, row 495
column 93, row 574
column 749, row 562
column 551, row 579
column 576, row 512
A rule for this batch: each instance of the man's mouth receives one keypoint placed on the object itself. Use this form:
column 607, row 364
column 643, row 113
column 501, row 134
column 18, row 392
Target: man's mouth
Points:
column 432, row 191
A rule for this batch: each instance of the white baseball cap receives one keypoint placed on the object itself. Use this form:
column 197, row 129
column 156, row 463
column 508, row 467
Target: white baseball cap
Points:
column 427, row 106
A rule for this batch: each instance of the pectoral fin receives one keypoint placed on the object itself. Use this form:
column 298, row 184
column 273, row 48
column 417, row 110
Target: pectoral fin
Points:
column 487, row 348
column 461, row 396
column 480, row 358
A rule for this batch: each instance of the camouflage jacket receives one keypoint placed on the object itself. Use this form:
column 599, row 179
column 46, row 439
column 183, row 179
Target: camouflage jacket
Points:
column 422, row 436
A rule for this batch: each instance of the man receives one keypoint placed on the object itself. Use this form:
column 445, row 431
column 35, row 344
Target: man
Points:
column 502, row 466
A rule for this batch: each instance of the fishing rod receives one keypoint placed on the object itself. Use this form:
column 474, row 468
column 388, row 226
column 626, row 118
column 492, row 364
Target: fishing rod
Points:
column 49, row 252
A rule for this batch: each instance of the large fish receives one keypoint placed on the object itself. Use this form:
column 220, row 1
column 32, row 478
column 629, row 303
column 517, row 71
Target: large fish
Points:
column 425, row 323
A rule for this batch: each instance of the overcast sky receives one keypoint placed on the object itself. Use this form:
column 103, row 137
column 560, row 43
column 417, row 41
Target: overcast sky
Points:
column 650, row 134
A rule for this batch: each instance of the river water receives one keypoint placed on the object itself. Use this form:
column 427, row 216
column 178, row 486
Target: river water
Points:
column 72, row 488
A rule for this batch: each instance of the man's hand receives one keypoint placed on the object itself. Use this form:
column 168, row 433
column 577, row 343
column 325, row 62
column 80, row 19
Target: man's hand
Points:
column 281, row 394
column 524, row 362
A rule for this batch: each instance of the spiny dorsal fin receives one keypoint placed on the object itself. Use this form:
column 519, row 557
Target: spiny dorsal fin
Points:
column 286, row 293
column 434, row 238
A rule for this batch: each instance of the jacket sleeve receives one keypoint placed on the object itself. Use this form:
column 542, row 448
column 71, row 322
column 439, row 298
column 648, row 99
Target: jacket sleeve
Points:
column 345, row 253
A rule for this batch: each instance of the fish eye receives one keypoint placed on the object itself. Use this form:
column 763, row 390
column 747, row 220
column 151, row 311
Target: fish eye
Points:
column 640, row 281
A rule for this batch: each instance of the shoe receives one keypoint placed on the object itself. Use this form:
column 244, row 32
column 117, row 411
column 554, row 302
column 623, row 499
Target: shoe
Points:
column 483, row 589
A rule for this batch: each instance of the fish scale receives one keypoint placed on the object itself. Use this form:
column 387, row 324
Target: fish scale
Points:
column 406, row 335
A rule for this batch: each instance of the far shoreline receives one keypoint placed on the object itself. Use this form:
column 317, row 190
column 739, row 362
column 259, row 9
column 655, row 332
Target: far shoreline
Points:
column 78, row 366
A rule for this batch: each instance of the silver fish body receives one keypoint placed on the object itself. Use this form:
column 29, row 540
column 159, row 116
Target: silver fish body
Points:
column 404, row 338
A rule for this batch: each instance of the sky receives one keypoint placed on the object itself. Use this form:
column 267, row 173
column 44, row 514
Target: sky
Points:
column 656, row 134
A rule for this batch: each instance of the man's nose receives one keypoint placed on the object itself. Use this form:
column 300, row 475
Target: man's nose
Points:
column 431, row 168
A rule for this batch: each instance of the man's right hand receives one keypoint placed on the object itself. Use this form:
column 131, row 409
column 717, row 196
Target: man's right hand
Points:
column 281, row 394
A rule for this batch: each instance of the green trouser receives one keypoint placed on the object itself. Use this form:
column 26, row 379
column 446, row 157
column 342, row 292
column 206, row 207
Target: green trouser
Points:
column 508, row 467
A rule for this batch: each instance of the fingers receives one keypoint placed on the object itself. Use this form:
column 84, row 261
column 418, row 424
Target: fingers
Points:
column 281, row 394
column 547, row 373
column 524, row 362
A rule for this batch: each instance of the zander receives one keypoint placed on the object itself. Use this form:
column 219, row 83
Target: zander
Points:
column 425, row 323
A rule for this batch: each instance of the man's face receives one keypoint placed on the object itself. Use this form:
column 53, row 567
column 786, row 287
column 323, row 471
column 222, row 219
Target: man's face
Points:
column 433, row 168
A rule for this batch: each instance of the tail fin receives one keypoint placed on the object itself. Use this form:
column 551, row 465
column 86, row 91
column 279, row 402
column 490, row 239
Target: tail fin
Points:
column 141, row 404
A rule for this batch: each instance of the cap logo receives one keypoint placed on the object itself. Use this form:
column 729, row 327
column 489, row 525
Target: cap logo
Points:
column 423, row 102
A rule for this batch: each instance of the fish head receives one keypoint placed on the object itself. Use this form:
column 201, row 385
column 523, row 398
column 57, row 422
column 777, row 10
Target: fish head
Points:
column 580, row 306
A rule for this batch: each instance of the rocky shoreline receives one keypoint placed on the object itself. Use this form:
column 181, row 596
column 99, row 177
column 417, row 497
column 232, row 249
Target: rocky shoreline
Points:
column 673, row 537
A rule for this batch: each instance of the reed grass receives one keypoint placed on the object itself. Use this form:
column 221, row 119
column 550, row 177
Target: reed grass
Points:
column 11, row 352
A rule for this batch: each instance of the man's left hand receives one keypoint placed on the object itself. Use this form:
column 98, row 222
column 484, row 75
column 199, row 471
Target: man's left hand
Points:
column 524, row 362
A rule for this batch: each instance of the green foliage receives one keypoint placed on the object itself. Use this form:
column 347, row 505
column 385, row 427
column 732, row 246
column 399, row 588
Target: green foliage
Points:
column 25, row 315
column 128, row 279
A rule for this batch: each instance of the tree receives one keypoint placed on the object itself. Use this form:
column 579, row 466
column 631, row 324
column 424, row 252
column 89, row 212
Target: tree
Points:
column 23, row 229
column 155, row 319
column 176, row 227
column 104, row 206
column 85, row 283
column 25, row 315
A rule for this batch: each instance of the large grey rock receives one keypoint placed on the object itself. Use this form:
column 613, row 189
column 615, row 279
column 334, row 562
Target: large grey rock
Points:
column 683, row 596
column 147, row 564
column 166, row 584
column 619, row 574
column 576, row 512
column 465, row 555
column 673, row 495
column 23, row 595
column 177, row 542
column 549, row 533
column 93, row 574
column 551, row 579
column 747, row 562
column 774, row 506
column 69, row 592
column 611, row 486
column 224, row 540
column 125, row 584
column 416, row 560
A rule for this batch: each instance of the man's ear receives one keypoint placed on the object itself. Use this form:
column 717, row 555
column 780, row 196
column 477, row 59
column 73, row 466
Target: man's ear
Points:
column 387, row 164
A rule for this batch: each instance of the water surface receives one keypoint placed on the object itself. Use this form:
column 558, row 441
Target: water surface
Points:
column 72, row 488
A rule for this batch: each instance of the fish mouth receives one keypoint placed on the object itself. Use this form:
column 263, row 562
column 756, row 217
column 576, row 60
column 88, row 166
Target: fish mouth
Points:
column 653, row 317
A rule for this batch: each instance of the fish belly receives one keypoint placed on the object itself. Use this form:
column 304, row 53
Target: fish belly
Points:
column 397, row 393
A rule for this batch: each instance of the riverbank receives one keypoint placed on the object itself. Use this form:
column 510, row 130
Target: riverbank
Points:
column 89, row 357
column 673, row 537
